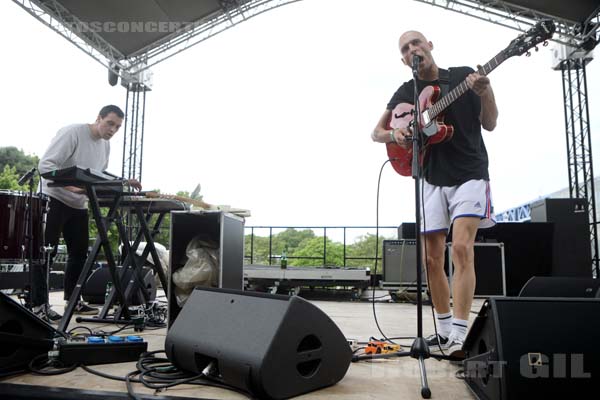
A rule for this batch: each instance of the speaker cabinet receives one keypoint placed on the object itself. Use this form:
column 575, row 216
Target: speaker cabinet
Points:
column 407, row 230
column 94, row 290
column 559, row 286
column 527, row 250
column 490, row 268
column 533, row 348
column 225, row 230
column 272, row 346
column 23, row 336
column 572, row 255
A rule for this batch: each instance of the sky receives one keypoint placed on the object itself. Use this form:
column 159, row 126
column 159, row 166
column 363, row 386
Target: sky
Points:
column 275, row 114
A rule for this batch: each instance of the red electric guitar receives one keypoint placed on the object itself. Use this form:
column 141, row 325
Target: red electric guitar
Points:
column 432, row 107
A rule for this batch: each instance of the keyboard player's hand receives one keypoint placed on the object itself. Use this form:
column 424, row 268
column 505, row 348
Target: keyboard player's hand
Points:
column 134, row 183
column 75, row 189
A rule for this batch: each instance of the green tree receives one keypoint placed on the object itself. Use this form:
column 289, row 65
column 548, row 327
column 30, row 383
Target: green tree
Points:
column 14, row 157
column 259, row 245
column 362, row 252
column 292, row 239
column 311, row 253
column 9, row 178
column 164, row 234
column 113, row 232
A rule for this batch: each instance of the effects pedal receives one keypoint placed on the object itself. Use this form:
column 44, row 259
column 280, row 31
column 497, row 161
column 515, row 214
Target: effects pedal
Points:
column 379, row 347
column 98, row 350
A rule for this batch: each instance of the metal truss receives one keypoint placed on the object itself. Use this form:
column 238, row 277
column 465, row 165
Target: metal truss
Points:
column 521, row 18
column 579, row 144
column 54, row 15
column 133, row 138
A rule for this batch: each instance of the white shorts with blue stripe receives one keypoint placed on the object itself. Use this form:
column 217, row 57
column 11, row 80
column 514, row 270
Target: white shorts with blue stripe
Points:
column 443, row 204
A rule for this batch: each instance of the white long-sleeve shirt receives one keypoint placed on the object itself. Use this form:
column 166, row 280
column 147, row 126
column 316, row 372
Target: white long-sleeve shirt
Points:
column 73, row 145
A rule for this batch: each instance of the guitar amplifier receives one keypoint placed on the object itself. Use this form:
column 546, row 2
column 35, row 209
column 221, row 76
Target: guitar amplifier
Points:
column 400, row 262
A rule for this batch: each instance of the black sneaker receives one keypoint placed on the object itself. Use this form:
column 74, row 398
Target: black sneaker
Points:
column 455, row 350
column 436, row 341
column 47, row 314
column 84, row 309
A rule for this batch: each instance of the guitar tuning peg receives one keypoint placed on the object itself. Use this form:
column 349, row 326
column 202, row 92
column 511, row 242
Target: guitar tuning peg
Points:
column 528, row 54
column 536, row 48
column 545, row 43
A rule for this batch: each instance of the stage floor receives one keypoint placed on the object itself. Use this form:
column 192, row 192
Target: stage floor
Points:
column 397, row 378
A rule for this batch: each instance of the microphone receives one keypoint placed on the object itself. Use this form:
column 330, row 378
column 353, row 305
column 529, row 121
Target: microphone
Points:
column 416, row 59
column 28, row 175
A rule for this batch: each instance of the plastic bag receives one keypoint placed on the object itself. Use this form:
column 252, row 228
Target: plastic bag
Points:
column 200, row 269
column 163, row 257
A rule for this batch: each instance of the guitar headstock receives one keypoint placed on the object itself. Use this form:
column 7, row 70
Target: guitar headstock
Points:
column 540, row 33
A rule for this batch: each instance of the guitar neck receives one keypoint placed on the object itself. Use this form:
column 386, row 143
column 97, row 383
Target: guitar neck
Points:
column 195, row 202
column 462, row 88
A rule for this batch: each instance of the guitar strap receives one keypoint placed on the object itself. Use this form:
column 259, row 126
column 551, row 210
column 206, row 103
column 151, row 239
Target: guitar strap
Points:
column 444, row 80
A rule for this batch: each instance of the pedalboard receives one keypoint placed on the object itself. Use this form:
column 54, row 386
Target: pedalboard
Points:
column 97, row 350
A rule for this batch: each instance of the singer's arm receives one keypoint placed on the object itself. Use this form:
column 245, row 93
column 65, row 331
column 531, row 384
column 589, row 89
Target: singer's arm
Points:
column 489, row 111
column 384, row 134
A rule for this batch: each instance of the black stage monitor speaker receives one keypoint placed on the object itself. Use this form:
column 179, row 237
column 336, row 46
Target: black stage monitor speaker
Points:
column 272, row 346
column 23, row 336
column 94, row 290
column 533, row 348
column 559, row 286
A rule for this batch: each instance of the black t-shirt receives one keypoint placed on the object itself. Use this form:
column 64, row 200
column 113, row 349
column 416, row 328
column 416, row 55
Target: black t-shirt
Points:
column 464, row 157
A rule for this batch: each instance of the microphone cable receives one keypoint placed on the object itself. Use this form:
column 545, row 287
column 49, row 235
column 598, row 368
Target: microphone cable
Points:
column 423, row 259
column 377, row 248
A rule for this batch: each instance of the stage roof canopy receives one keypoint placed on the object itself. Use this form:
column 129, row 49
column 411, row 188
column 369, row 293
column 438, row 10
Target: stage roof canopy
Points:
column 132, row 35
column 135, row 26
column 577, row 11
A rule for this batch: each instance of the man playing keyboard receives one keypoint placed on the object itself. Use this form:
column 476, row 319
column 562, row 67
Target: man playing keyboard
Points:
column 87, row 146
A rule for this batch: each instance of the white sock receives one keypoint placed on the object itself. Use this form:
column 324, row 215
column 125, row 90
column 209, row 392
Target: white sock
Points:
column 459, row 329
column 444, row 323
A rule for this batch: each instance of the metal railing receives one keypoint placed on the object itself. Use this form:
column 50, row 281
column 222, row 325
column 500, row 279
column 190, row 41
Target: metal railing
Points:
column 326, row 231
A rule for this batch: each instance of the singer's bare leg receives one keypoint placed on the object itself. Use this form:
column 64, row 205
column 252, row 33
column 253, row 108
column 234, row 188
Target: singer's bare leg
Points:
column 463, row 258
column 434, row 250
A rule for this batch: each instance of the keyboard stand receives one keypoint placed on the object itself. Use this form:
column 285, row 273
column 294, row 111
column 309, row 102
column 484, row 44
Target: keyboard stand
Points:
column 102, row 224
column 144, row 209
column 138, row 283
column 136, row 263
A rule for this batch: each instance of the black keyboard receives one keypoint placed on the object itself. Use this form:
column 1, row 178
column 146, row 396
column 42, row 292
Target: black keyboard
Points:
column 77, row 176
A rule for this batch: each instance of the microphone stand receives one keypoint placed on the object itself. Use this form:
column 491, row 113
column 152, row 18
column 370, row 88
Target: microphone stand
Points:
column 419, row 348
column 47, row 257
column 28, row 177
